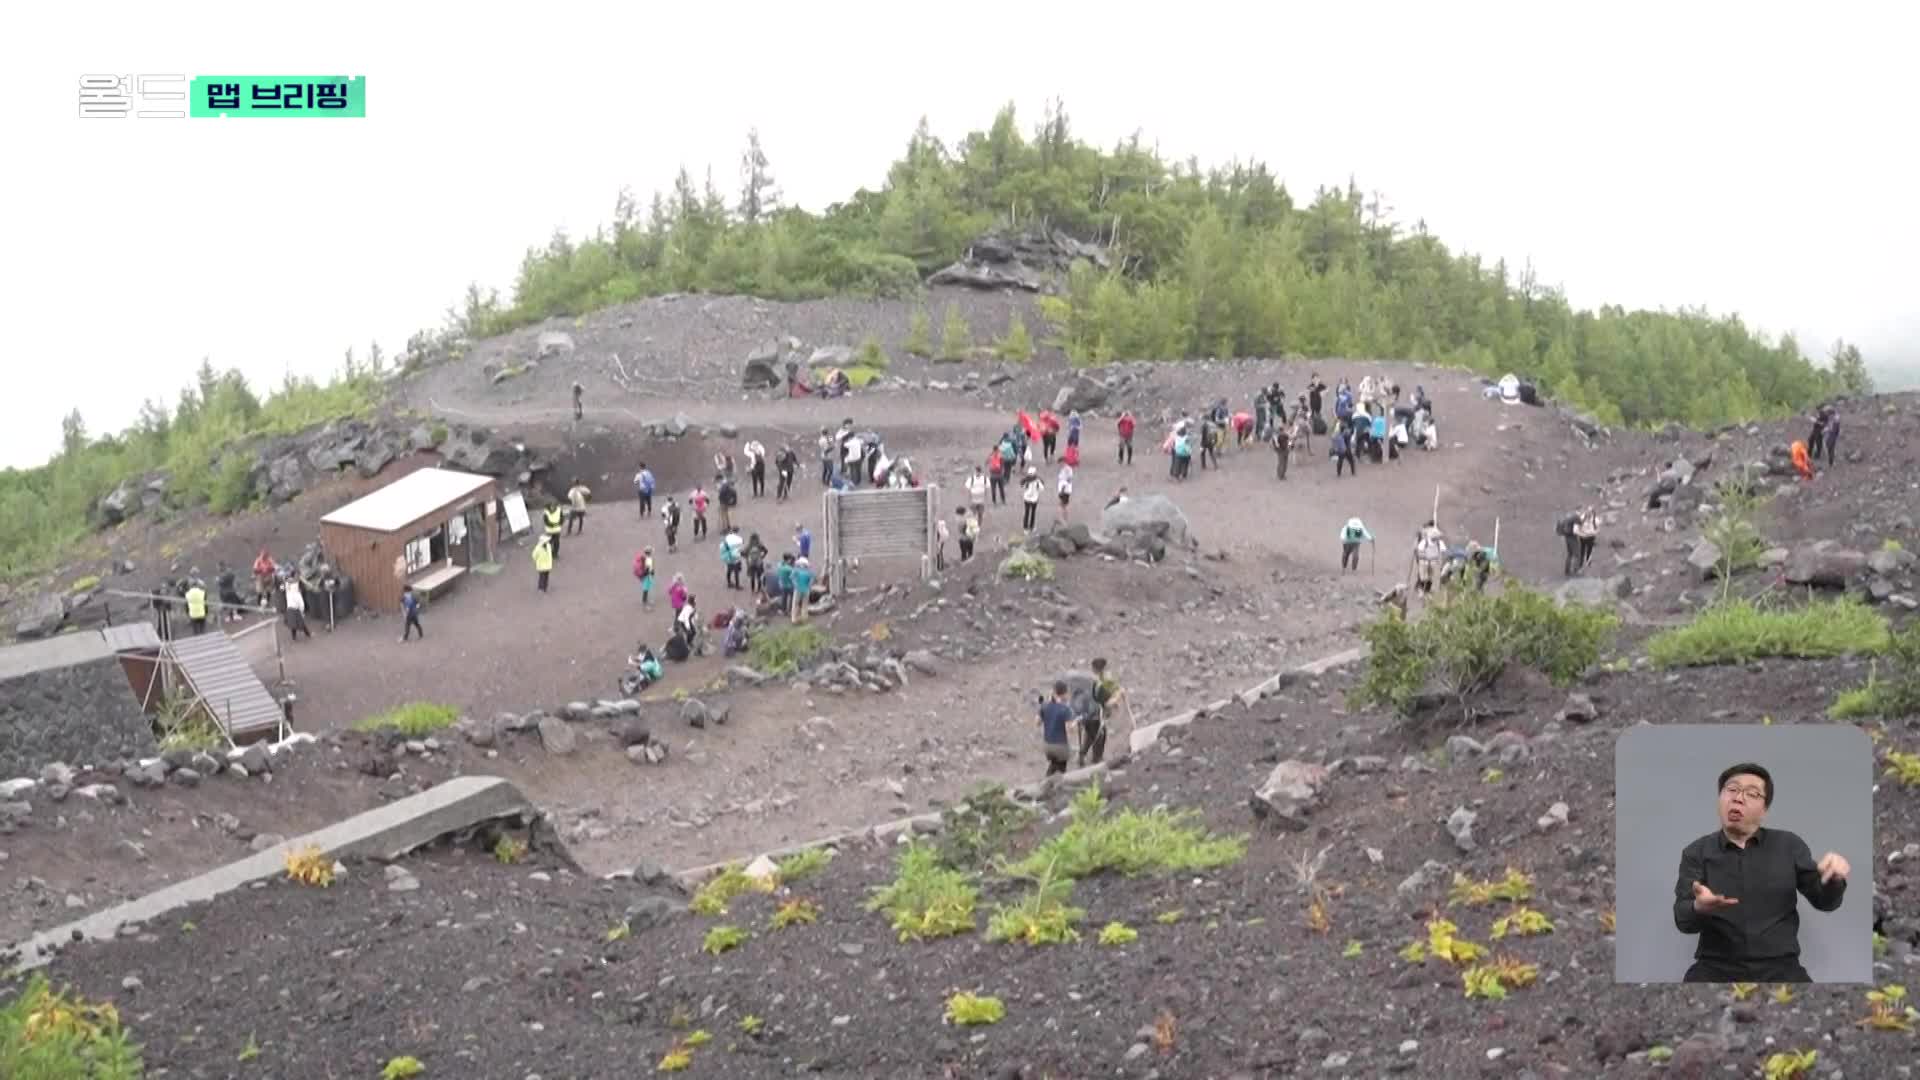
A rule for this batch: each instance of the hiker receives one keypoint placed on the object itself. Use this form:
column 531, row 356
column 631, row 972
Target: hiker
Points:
column 1030, row 496
column 1481, row 563
column 686, row 623
column 577, row 497
column 829, row 453
column 643, row 568
column 1262, row 418
column 1049, row 432
column 853, row 454
column 1429, row 550
column 969, row 532
column 1566, row 527
column 1340, row 449
column 731, row 547
column 643, row 489
column 1093, row 726
column 1242, row 429
column 1587, row 529
column 1282, row 441
column 729, row 498
column 756, row 563
column 578, row 390
column 1209, row 442
column 1833, row 435
column 196, row 597
column 785, row 464
column 1817, row 438
column 722, row 466
column 1316, row 391
column 698, row 500
column 1073, row 430
column 1055, row 716
column 780, row 583
column 977, row 491
column 553, row 520
column 410, row 605
column 802, row 539
column 802, row 588
column 941, row 534
column 646, row 671
column 543, row 560
column 1125, row 427
column 677, row 593
column 997, row 477
column 1064, row 488
column 264, row 572
column 296, row 614
column 228, row 590
column 1802, row 461
column 1182, row 452
column 736, row 640
column 670, row 519
column 1352, row 535
column 756, row 454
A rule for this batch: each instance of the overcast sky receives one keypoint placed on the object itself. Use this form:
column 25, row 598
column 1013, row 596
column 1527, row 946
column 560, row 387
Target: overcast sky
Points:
column 1749, row 157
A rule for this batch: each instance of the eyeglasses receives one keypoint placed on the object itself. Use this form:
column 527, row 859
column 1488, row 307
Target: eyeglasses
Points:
column 1748, row 794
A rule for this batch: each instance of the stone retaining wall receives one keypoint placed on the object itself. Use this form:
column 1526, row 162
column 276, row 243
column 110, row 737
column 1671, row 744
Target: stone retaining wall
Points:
column 84, row 714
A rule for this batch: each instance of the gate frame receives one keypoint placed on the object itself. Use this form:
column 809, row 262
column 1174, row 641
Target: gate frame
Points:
column 830, row 514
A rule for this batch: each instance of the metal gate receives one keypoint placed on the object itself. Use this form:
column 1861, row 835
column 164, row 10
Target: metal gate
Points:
column 879, row 524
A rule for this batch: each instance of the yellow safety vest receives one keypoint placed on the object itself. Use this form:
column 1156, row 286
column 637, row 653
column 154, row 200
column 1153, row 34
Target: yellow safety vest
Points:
column 542, row 557
column 196, row 603
column 553, row 521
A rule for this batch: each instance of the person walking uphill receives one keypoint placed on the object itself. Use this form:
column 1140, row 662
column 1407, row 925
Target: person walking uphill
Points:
column 977, row 491
column 643, row 569
column 643, row 489
column 1030, row 496
column 577, row 497
column 1352, row 535
column 1833, row 434
column 1093, row 727
column 410, row 604
column 1568, row 526
column 670, row 520
column 1055, row 716
column 1124, row 426
column 543, row 561
column 1588, row 531
column 553, row 519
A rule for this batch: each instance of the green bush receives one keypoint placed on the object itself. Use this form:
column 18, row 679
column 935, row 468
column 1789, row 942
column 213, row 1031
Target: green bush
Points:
column 871, row 355
column 956, row 337
column 786, row 649
column 46, row 1035
column 1737, row 631
column 919, row 334
column 414, row 720
column 1017, row 346
column 926, row 900
column 1892, row 691
column 1024, row 564
column 1461, row 646
column 1160, row 841
column 232, row 485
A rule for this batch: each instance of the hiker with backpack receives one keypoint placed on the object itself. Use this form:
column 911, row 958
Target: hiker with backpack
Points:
column 729, row 498
column 1352, row 535
column 1587, row 531
column 1340, row 449
column 1832, row 434
column 1124, row 426
column 1566, row 526
column 643, row 569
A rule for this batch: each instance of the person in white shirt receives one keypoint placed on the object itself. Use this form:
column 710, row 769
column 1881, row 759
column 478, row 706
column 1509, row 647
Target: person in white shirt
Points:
column 977, row 492
column 296, row 611
column 756, row 454
column 856, row 460
column 1030, row 494
column 1064, row 486
column 940, row 537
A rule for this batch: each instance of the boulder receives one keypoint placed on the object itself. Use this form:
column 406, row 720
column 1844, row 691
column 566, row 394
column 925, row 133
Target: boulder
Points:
column 694, row 712
column 557, row 736
column 373, row 457
column 1594, row 592
column 256, row 759
column 635, row 731
column 553, row 343
column 760, row 375
column 1825, row 565
column 115, row 505
column 1081, row 395
column 1294, row 789
column 1152, row 515
column 41, row 617
column 1579, row 709
column 1054, row 545
column 1705, row 558
column 1889, row 561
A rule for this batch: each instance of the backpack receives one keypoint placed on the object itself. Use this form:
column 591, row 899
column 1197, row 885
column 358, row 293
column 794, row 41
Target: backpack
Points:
column 728, row 496
column 640, row 566
column 1319, row 425
column 1565, row 525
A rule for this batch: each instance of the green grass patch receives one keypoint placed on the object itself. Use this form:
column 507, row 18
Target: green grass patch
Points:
column 785, row 650
column 804, row 864
column 91, row 581
column 926, row 900
column 713, row 896
column 51, row 1035
column 414, row 720
column 858, row 376
column 1129, row 842
column 723, row 938
column 967, row 1010
column 976, row 829
column 1741, row 630
column 1041, row 917
column 1891, row 693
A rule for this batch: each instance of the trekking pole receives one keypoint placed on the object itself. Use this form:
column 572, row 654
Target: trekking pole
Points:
column 1373, row 557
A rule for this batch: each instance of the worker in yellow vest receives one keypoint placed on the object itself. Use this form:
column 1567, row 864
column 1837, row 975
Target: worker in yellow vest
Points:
column 197, row 607
column 555, row 518
column 543, row 559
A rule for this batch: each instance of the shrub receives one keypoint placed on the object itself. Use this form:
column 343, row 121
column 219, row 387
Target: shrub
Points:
column 804, row 864
column 1025, row 565
column 871, row 355
column 796, row 912
column 974, row 830
column 786, row 649
column 91, row 581
column 956, row 337
column 232, row 485
column 414, row 720
column 919, row 334
column 310, row 866
column 1041, row 917
column 969, row 1009
column 1893, row 696
column 1791, row 1065
column 1741, row 630
column 1732, row 531
column 1521, row 922
column 1129, row 842
column 402, row 1068
column 712, row 897
column 49, row 1035
column 1512, row 889
column 437, row 434
column 926, row 900
column 722, row 938
column 1118, row 933
column 1017, row 346
column 1462, row 647
column 1904, row 768
column 509, row 850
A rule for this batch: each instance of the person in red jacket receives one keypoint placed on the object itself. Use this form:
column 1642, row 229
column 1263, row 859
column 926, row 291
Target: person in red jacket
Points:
column 1126, row 437
column 1049, row 432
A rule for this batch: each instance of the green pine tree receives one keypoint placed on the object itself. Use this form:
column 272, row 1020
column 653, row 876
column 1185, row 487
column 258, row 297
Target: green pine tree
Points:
column 956, row 337
column 1017, row 346
column 920, row 334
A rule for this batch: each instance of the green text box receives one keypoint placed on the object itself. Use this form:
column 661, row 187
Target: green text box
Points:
column 279, row 95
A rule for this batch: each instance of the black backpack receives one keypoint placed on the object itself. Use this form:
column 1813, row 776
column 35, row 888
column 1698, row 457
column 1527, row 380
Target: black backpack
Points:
column 728, row 496
column 1566, row 523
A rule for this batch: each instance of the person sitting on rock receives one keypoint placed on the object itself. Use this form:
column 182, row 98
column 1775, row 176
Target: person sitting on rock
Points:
column 1802, row 461
column 735, row 641
column 646, row 671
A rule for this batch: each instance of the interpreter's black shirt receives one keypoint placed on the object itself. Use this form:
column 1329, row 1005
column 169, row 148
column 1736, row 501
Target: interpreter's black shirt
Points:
column 1763, row 876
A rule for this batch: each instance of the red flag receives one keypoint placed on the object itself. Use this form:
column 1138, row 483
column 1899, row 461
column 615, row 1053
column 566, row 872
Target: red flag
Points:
column 1027, row 425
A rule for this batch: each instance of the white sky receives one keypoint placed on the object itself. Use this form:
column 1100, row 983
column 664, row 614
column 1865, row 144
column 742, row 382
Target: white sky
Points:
column 1750, row 157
